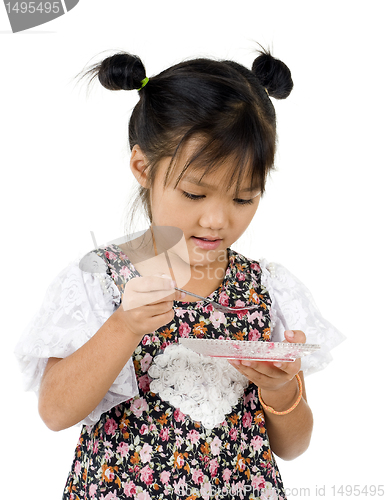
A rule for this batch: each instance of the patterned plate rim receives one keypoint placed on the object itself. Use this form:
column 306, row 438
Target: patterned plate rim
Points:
column 267, row 345
column 267, row 351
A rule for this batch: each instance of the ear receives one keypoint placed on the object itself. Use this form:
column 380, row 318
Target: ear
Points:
column 138, row 164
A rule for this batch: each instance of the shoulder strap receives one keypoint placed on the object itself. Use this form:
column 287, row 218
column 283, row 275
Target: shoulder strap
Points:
column 119, row 267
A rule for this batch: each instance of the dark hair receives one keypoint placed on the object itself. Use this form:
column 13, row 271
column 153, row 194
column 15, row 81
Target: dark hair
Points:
column 222, row 103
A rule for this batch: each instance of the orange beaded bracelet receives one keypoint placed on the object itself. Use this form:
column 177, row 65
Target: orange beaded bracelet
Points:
column 271, row 410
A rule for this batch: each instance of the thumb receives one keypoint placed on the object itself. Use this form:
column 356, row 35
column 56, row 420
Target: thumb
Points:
column 162, row 275
column 294, row 337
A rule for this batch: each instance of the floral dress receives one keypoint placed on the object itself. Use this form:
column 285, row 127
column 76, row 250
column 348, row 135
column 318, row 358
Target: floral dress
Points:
column 143, row 440
column 147, row 448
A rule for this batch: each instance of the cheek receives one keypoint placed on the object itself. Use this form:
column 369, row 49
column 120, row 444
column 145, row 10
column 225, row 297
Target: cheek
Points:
column 253, row 211
column 245, row 216
column 166, row 208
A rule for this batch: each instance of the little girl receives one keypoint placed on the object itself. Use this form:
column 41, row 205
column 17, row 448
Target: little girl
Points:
column 202, row 140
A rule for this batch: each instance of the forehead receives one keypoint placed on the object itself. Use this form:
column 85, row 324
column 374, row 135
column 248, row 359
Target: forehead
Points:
column 198, row 164
column 210, row 181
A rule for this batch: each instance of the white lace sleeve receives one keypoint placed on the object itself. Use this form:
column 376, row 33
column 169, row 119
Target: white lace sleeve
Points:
column 75, row 306
column 293, row 308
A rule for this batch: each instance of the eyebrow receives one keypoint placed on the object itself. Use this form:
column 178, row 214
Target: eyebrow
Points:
column 197, row 182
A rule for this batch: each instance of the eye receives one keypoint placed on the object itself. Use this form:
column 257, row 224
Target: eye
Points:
column 196, row 197
column 247, row 202
column 243, row 202
column 192, row 196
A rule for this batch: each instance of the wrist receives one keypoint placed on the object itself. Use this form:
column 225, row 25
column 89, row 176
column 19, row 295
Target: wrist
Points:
column 122, row 325
column 281, row 399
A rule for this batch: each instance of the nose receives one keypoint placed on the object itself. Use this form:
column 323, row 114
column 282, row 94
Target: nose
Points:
column 214, row 216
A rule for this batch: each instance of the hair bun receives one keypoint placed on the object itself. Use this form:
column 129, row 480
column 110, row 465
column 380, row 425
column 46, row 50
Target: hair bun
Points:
column 273, row 74
column 121, row 71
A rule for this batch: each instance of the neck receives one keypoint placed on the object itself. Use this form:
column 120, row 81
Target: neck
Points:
column 205, row 279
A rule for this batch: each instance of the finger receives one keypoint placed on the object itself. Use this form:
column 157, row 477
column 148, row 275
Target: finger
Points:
column 155, row 322
column 159, row 308
column 147, row 290
column 145, row 284
column 265, row 368
column 295, row 337
column 263, row 379
column 291, row 368
column 244, row 370
column 152, row 312
column 159, row 297
column 272, row 370
column 134, row 301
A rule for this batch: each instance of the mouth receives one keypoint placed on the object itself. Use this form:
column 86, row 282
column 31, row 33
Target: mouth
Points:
column 207, row 239
column 207, row 243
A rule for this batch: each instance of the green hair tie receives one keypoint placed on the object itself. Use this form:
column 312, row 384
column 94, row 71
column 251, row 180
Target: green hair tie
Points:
column 143, row 83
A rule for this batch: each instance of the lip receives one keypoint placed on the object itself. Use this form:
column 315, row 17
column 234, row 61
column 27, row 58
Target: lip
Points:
column 211, row 244
column 211, row 238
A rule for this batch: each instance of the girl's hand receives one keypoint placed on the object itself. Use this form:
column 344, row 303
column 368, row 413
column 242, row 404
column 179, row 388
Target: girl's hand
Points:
column 269, row 375
column 147, row 303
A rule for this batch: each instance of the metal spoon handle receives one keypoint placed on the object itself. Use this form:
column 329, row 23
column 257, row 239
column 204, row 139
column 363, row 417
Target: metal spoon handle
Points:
column 217, row 306
column 192, row 294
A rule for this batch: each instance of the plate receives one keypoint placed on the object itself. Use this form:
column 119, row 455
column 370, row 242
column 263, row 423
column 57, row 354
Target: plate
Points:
column 249, row 349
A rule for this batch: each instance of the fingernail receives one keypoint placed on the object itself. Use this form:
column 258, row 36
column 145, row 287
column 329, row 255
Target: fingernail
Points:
column 290, row 334
column 246, row 363
column 278, row 365
column 173, row 284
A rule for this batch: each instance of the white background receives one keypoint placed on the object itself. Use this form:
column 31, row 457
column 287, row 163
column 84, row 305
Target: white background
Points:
column 64, row 161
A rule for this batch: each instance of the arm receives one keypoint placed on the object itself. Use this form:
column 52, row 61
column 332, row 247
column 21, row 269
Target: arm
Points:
column 72, row 387
column 290, row 434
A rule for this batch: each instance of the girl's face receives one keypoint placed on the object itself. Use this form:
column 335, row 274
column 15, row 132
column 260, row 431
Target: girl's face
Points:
column 211, row 218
